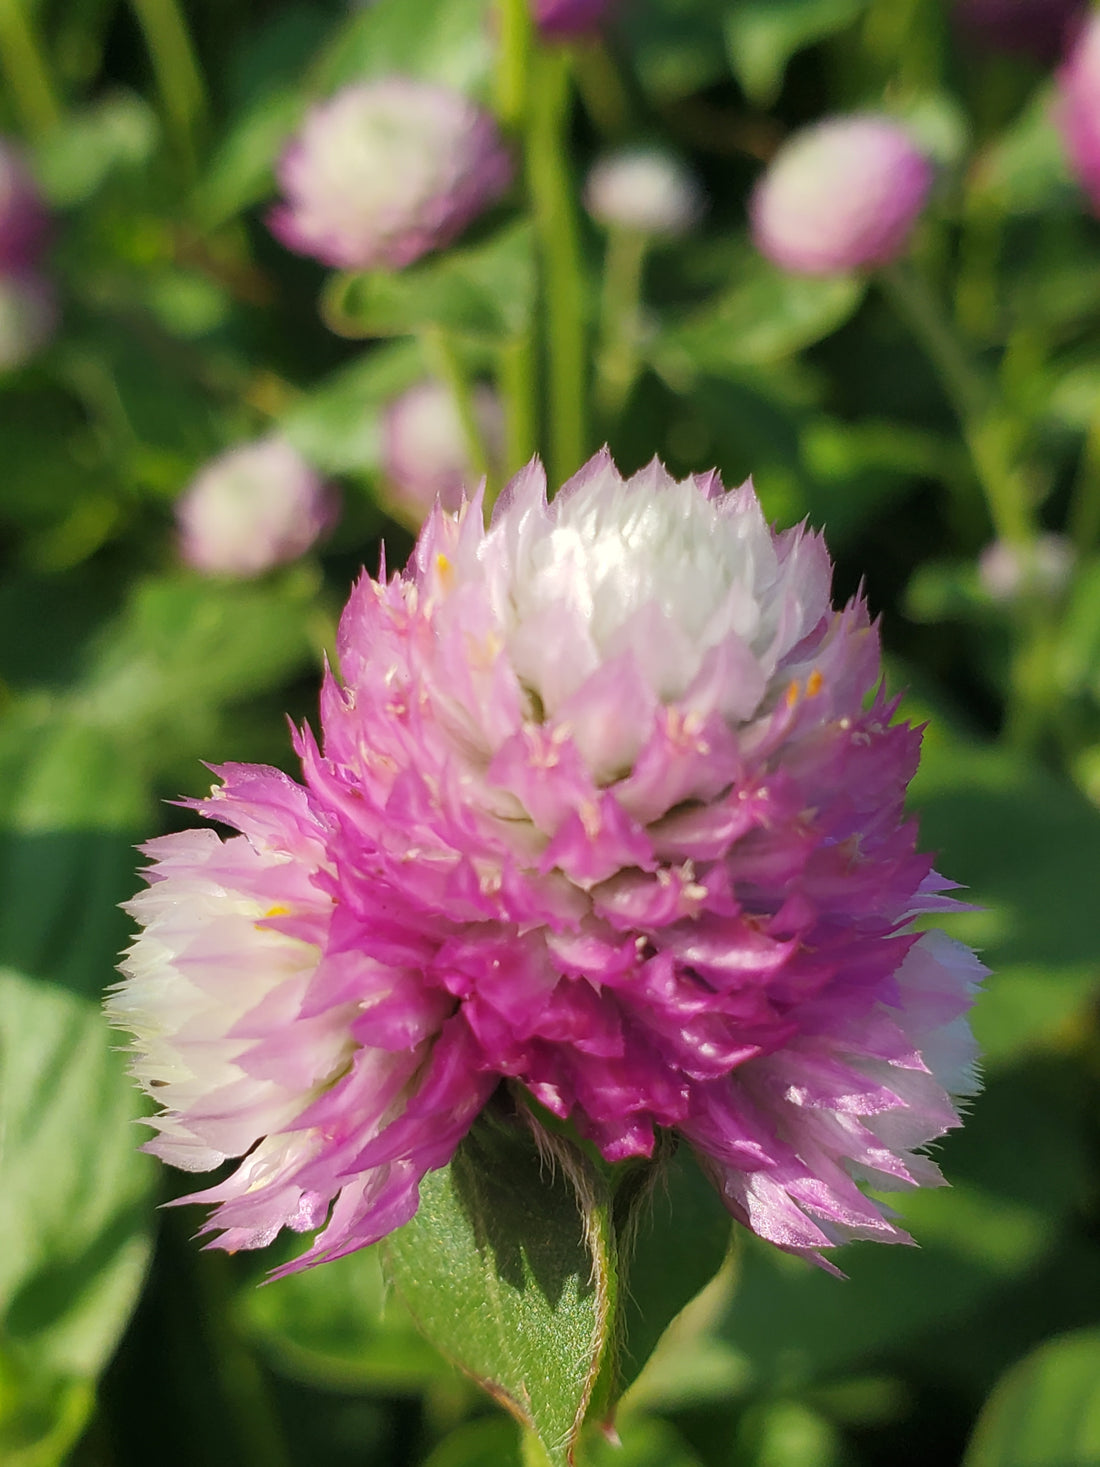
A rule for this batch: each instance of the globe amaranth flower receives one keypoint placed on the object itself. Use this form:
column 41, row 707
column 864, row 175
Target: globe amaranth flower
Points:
column 385, row 171
column 609, row 805
column 646, row 190
column 571, row 19
column 1077, row 108
column 251, row 508
column 24, row 222
column 425, row 455
column 842, row 195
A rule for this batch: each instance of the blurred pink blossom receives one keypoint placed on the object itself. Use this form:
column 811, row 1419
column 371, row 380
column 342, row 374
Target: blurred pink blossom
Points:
column 24, row 222
column 842, row 195
column 424, row 451
column 387, row 170
column 28, row 316
column 571, row 18
column 252, row 508
column 1077, row 108
column 644, row 189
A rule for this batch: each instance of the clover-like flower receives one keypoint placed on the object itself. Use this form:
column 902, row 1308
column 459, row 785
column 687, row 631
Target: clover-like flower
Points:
column 253, row 507
column 609, row 807
column 387, row 170
column 842, row 195
column 571, row 19
column 24, row 221
column 646, row 190
column 424, row 452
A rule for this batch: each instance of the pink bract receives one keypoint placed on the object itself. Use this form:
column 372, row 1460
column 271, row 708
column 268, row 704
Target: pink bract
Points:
column 843, row 195
column 1078, row 109
column 387, row 170
column 609, row 804
column 571, row 18
column 24, row 222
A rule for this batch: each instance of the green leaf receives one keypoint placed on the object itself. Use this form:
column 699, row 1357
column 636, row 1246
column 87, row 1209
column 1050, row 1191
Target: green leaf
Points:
column 504, row 1274
column 74, row 1209
column 763, row 35
column 335, row 1327
column 765, row 316
column 1045, row 1411
column 675, row 1240
column 485, row 292
column 448, row 41
column 1038, row 926
column 74, row 160
column 242, row 170
column 676, row 45
column 336, row 425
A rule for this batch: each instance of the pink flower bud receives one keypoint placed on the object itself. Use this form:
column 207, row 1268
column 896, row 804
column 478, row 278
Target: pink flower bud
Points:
column 252, row 508
column 24, row 222
column 28, row 316
column 570, row 18
column 1078, row 109
column 1035, row 27
column 385, row 171
column 643, row 189
column 843, row 195
column 424, row 452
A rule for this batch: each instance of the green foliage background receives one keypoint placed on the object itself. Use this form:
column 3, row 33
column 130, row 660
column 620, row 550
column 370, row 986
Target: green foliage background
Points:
column 153, row 129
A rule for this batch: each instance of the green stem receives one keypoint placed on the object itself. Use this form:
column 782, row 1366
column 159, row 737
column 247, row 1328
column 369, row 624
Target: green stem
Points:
column 985, row 424
column 620, row 299
column 1084, row 510
column 516, row 374
column 513, row 62
column 26, row 70
column 179, row 79
column 605, row 98
column 558, row 234
column 447, row 363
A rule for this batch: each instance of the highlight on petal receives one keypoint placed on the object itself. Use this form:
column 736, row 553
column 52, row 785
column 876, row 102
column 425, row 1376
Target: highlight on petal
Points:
column 608, row 805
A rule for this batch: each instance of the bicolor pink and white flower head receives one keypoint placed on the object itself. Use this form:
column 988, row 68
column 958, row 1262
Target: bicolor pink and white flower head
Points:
column 387, row 170
column 571, row 19
column 252, row 508
column 646, row 190
column 24, row 221
column 608, row 806
column 425, row 455
column 28, row 316
column 842, row 195
column 1077, row 108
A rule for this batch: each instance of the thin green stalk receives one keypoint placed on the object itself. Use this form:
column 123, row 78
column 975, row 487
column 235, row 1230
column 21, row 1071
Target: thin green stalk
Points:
column 446, row 361
column 517, row 378
column 558, row 233
column 179, row 79
column 1084, row 509
column 26, row 70
column 620, row 300
column 513, row 62
column 986, row 426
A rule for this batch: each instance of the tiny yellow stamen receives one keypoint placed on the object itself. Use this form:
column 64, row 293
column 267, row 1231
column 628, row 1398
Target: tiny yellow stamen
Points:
column 814, row 683
column 792, row 693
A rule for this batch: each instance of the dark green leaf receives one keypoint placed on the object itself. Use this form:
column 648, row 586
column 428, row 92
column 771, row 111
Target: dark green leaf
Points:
column 499, row 1272
column 490, row 1442
column 1045, row 1412
column 763, row 35
column 336, row 425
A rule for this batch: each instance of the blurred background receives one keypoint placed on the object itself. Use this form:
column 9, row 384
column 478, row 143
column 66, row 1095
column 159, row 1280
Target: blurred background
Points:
column 212, row 414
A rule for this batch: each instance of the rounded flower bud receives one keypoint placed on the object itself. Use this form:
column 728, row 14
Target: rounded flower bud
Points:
column 24, row 223
column 610, row 805
column 843, row 195
column 1037, row 28
column 385, row 171
column 1078, row 109
column 643, row 189
column 28, row 316
column 252, row 508
column 1009, row 572
column 424, row 451
column 571, row 18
